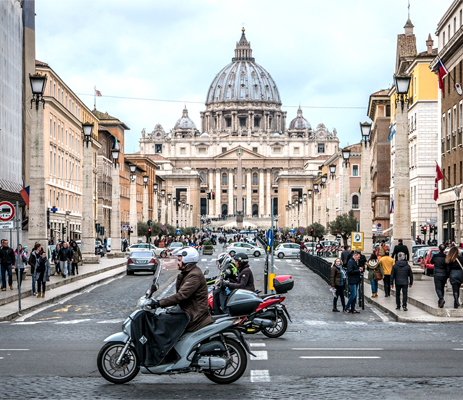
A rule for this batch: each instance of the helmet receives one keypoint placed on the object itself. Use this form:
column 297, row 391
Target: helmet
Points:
column 226, row 262
column 189, row 255
column 242, row 259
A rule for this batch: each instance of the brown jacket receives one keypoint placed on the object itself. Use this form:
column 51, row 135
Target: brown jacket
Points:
column 335, row 276
column 191, row 296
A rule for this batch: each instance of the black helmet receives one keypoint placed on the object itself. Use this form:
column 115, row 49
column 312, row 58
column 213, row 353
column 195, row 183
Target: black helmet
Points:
column 242, row 259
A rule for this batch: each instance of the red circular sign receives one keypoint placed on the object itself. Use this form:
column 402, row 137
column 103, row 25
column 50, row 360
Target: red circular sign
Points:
column 6, row 211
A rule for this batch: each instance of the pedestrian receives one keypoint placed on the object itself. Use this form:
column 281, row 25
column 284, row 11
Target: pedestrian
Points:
column 33, row 262
column 353, row 279
column 42, row 273
column 382, row 249
column 21, row 254
column 386, row 264
column 375, row 273
column 55, row 259
column 63, row 256
column 441, row 274
column 7, row 259
column 403, row 277
column 337, row 278
column 345, row 256
column 400, row 248
column 77, row 258
column 455, row 265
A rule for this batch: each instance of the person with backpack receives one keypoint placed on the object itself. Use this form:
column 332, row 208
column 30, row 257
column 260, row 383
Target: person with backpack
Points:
column 42, row 273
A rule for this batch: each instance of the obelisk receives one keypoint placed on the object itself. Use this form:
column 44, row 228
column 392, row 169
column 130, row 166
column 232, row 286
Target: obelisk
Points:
column 239, row 192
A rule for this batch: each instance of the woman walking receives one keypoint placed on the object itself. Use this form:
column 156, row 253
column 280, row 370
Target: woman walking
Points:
column 455, row 263
column 42, row 273
column 22, row 264
column 76, row 259
column 375, row 273
column 337, row 279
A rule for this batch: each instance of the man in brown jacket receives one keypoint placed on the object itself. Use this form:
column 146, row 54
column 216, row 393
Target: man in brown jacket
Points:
column 192, row 292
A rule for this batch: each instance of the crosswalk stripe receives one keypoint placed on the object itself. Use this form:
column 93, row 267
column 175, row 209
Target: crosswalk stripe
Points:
column 260, row 375
column 259, row 356
column 260, row 345
column 339, row 357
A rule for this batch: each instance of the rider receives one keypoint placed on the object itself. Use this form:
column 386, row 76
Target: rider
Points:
column 244, row 279
column 228, row 272
column 191, row 293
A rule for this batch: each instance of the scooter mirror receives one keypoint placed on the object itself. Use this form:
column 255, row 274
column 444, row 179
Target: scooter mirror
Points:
column 206, row 271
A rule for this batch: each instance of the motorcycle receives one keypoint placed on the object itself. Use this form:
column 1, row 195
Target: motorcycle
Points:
column 149, row 345
column 271, row 316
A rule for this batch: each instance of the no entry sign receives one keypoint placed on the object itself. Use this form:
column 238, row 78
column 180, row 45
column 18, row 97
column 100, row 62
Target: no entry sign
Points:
column 6, row 211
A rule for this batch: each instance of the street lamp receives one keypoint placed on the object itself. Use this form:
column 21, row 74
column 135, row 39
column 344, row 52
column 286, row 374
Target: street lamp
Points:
column 315, row 187
column 163, row 192
column 402, row 83
column 333, row 171
column 304, row 196
column 346, row 156
column 145, row 180
column 309, row 191
column 169, row 196
column 38, row 83
column 132, row 168
column 323, row 181
column 87, row 128
column 155, row 187
column 365, row 128
column 115, row 152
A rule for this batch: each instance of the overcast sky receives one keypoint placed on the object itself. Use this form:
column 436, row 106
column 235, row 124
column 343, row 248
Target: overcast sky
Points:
column 331, row 53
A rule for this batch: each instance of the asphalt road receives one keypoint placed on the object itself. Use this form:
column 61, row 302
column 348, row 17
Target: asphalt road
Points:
column 51, row 353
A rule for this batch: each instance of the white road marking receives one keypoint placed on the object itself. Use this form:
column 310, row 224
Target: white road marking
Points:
column 260, row 355
column 355, row 322
column 28, row 323
column 381, row 315
column 72, row 322
column 14, row 349
column 335, row 349
column 111, row 321
column 339, row 357
column 290, row 261
column 299, row 268
column 453, row 349
column 315, row 323
column 203, row 259
column 263, row 345
column 260, row 375
column 276, row 267
column 1, row 358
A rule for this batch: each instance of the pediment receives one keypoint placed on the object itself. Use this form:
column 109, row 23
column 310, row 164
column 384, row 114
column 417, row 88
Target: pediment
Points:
column 232, row 154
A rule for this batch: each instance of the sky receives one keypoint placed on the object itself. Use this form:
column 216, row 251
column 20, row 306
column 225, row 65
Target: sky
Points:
column 328, row 56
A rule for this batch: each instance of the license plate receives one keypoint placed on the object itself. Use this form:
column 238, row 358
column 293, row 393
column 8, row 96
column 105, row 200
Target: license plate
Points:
column 142, row 262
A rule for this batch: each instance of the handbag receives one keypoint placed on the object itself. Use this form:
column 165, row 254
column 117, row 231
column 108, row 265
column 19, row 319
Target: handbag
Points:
column 377, row 275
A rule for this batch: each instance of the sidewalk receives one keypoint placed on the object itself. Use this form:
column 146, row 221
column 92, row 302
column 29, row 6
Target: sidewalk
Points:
column 422, row 303
column 58, row 287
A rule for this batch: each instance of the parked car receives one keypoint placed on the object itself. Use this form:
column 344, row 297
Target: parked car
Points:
column 146, row 246
column 425, row 262
column 287, row 250
column 142, row 260
column 175, row 246
column 246, row 248
column 418, row 255
column 415, row 247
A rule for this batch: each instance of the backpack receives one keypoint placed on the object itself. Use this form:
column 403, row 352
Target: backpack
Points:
column 41, row 267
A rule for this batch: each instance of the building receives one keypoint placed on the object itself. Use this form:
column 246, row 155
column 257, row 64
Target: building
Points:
column 243, row 115
column 450, row 34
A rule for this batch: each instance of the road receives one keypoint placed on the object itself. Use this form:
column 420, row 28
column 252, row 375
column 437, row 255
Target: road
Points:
column 51, row 353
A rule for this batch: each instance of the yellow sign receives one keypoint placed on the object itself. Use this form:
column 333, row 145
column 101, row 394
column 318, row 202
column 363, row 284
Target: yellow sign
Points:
column 270, row 281
column 357, row 241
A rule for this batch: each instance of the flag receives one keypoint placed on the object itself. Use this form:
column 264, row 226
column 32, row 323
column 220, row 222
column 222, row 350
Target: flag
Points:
column 97, row 93
column 391, row 132
column 360, row 190
column 391, row 211
column 441, row 72
column 115, row 144
column 24, row 192
column 439, row 176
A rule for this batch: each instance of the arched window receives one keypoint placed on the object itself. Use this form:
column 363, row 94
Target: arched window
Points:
column 355, row 202
column 255, row 210
column 224, row 179
column 254, row 178
column 202, row 176
column 275, row 176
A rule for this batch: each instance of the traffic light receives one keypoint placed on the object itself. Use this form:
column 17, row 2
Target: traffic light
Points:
column 208, row 195
column 424, row 229
column 431, row 228
column 213, row 195
column 311, row 231
column 64, row 230
column 48, row 218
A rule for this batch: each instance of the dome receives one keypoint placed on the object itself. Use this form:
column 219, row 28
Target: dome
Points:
column 276, row 135
column 243, row 79
column 185, row 122
column 204, row 135
column 299, row 122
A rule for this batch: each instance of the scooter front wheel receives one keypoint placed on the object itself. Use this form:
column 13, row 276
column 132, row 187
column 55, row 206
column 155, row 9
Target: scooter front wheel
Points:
column 108, row 367
column 281, row 324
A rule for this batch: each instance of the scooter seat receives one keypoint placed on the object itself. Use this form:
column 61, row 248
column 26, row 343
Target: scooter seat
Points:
column 216, row 317
column 264, row 296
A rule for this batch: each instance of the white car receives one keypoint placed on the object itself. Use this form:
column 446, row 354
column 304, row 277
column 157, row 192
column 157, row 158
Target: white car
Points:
column 287, row 250
column 246, row 248
column 146, row 246
column 175, row 246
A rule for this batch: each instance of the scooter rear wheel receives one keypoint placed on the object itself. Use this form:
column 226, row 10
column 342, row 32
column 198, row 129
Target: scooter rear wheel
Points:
column 235, row 367
column 126, row 371
column 279, row 329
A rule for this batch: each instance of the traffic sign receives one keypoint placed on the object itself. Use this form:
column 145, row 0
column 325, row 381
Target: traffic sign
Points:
column 292, row 231
column 6, row 211
column 301, row 230
column 125, row 227
column 6, row 225
column 279, row 230
column 178, row 232
column 269, row 238
column 196, row 232
column 357, row 241
column 163, row 227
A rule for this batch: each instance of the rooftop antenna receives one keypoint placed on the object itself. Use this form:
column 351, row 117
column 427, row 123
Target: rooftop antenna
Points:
column 408, row 9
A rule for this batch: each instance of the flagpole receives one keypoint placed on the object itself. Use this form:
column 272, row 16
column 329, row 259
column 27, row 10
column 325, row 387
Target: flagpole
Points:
column 94, row 97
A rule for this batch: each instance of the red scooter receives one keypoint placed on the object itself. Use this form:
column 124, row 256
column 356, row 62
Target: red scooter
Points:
column 271, row 317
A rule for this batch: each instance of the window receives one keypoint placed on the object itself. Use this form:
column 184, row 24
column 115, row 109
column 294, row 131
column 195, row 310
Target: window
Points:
column 255, row 191
column 202, row 150
column 254, row 179
column 277, row 150
column 228, row 121
column 454, row 174
column 255, row 149
column 202, row 176
column 454, row 25
column 224, row 179
column 414, row 85
column 182, row 151
column 321, row 147
column 224, row 191
column 296, row 150
column 355, row 202
column 355, row 170
column 461, row 172
column 443, row 38
column 243, row 122
column 388, row 111
column 224, row 149
column 256, row 122
column 158, row 148
column 275, row 176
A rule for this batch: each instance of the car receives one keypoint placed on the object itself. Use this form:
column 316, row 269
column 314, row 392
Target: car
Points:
column 246, row 248
column 175, row 246
column 415, row 247
column 425, row 262
column 287, row 250
column 418, row 255
column 142, row 260
column 146, row 246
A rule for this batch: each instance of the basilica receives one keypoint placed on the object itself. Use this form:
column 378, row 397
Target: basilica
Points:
column 243, row 114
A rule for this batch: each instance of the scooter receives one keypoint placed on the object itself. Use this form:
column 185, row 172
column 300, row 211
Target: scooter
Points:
column 217, row 350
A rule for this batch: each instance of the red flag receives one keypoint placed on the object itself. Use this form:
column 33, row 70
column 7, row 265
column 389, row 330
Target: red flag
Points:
column 439, row 176
column 98, row 93
column 441, row 72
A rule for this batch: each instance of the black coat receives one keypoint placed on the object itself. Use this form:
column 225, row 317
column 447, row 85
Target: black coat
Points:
column 353, row 272
column 7, row 256
column 455, row 272
column 244, row 280
column 401, row 274
column 345, row 257
column 440, row 267
column 400, row 248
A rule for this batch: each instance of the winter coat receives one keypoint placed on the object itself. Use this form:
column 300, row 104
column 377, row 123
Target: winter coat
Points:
column 191, row 296
column 353, row 272
column 441, row 269
column 345, row 257
column 22, row 259
column 400, row 248
column 335, row 276
column 33, row 261
column 7, row 256
column 382, row 250
column 77, row 255
column 372, row 266
column 386, row 264
column 455, row 272
column 63, row 254
column 46, row 273
column 244, row 280
column 401, row 274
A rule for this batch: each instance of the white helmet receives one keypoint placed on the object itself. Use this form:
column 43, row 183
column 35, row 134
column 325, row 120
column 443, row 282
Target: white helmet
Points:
column 189, row 255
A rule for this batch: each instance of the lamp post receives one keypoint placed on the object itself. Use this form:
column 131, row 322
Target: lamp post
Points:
column 116, row 202
column 366, row 213
column 163, row 207
column 37, row 206
column 191, row 215
column 332, row 191
column 306, row 214
column 169, row 208
column 401, row 190
column 87, row 128
column 145, row 214
column 174, row 211
column 310, row 194
column 133, row 200
column 345, row 179
column 155, row 202
column 315, row 194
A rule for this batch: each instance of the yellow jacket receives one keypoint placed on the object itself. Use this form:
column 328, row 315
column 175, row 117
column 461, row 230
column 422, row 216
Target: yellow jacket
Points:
column 386, row 263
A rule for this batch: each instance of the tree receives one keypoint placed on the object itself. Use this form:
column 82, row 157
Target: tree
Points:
column 142, row 229
column 318, row 230
column 344, row 225
column 285, row 231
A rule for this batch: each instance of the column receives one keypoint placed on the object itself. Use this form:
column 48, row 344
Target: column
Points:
column 218, row 205
column 457, row 216
column 323, row 197
column 345, row 188
column 210, row 204
column 163, row 210
column 239, row 193
column 116, row 211
column 155, row 207
column 230, row 191
column 133, row 218
column 248, row 192
column 366, row 213
column 261, row 192
column 145, row 216
column 38, row 204
column 268, row 195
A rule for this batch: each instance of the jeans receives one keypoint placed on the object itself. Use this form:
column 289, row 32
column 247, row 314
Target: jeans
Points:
column 33, row 283
column 374, row 286
column 439, row 285
column 387, row 285
column 57, row 267
column 352, row 297
column 64, row 267
column 456, row 294
column 7, row 269
column 339, row 293
column 398, row 289
column 69, row 268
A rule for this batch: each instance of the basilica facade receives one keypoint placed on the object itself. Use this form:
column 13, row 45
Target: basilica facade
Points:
column 279, row 161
